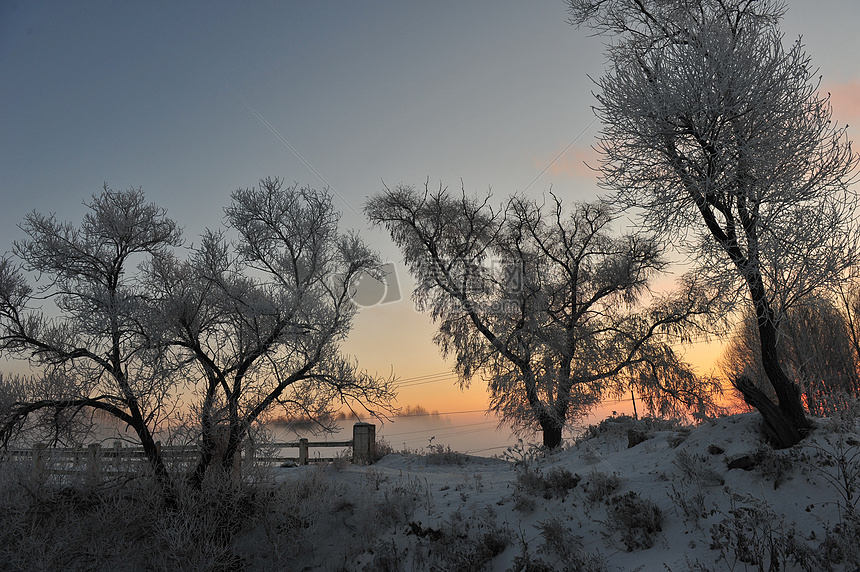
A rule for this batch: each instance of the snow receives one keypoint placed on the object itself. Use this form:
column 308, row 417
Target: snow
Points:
column 396, row 509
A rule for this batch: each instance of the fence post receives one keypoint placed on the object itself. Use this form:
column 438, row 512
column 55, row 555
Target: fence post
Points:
column 37, row 473
column 94, row 456
column 249, row 454
column 117, row 456
column 363, row 443
column 303, row 451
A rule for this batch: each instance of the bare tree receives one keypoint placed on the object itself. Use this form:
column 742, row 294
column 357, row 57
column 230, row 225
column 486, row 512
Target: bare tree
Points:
column 717, row 136
column 262, row 318
column 94, row 343
column 542, row 303
column 848, row 302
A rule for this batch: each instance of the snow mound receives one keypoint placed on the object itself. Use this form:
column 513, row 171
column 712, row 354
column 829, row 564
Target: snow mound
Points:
column 630, row 495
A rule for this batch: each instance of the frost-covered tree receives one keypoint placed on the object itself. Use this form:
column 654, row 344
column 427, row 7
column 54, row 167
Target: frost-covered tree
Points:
column 542, row 303
column 716, row 135
column 261, row 318
column 93, row 344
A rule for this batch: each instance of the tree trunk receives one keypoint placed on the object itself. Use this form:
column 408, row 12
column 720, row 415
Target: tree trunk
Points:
column 153, row 455
column 207, row 434
column 780, row 430
column 787, row 392
column 234, row 440
column 787, row 424
column 552, row 437
column 206, row 454
column 551, row 433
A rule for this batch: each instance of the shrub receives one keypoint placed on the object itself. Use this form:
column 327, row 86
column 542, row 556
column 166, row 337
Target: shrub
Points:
column 636, row 520
column 383, row 448
column 560, row 542
column 557, row 482
column 692, row 506
column 679, row 435
column 752, row 533
column 460, row 543
column 774, row 465
column 524, row 455
column 839, row 464
column 600, row 486
column 840, row 542
column 400, row 502
column 524, row 503
column 615, row 428
column 694, row 468
column 443, row 455
column 134, row 525
column 469, row 543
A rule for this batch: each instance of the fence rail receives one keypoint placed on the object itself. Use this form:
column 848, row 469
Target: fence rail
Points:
column 95, row 462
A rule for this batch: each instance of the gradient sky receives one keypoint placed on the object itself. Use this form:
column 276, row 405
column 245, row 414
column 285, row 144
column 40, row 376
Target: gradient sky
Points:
column 169, row 96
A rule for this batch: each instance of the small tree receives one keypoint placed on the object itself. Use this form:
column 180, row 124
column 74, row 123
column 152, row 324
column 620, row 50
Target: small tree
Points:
column 717, row 136
column 542, row 303
column 95, row 344
column 262, row 318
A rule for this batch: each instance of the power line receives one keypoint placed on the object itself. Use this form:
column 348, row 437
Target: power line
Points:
column 296, row 153
column 419, row 377
column 560, row 154
column 438, row 429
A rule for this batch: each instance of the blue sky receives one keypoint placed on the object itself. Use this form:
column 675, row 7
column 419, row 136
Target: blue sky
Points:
column 166, row 96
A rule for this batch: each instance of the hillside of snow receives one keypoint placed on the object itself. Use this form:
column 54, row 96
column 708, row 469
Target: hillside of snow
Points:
column 715, row 497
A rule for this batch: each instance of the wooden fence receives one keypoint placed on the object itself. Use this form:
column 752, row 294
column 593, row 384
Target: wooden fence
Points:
column 96, row 462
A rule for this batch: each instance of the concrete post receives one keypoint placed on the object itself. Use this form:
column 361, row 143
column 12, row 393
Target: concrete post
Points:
column 37, row 474
column 94, row 469
column 249, row 454
column 303, row 451
column 363, row 443
column 117, row 456
column 158, row 450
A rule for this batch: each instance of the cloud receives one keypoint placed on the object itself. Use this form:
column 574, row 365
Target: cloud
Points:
column 571, row 163
column 845, row 99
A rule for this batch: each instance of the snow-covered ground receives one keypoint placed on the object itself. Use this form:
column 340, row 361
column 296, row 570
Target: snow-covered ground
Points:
column 670, row 502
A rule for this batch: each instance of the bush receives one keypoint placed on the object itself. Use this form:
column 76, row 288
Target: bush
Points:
column 839, row 464
column 560, row 542
column 695, row 469
column 470, row 543
column 679, row 435
column 692, row 506
column 459, row 544
column 134, row 525
column 840, row 542
column 637, row 520
column 752, row 533
column 443, row 455
column 557, row 482
column 600, row 486
column 400, row 502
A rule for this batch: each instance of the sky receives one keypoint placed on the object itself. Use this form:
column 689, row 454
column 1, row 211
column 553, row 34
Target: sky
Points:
column 193, row 100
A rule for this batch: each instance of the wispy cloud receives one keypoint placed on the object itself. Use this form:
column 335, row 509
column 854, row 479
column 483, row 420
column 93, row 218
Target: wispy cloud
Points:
column 579, row 161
